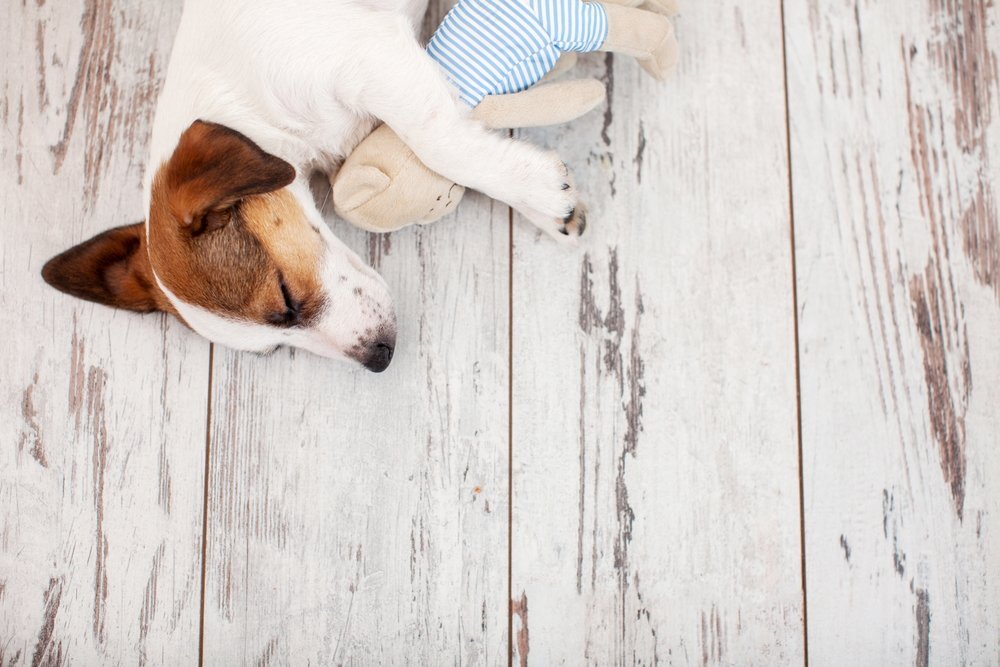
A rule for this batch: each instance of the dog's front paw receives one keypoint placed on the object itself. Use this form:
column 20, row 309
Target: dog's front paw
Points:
column 552, row 203
column 575, row 224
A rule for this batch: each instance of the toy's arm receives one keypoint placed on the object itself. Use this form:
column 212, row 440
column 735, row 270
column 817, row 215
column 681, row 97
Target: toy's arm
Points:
column 566, row 62
column 544, row 104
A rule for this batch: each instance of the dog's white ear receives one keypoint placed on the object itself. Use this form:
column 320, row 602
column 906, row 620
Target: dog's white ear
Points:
column 112, row 268
column 212, row 168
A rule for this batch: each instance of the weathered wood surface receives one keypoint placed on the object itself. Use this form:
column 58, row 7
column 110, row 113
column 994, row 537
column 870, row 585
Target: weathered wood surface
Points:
column 655, row 485
column 355, row 518
column 102, row 413
column 359, row 518
column 363, row 518
column 896, row 157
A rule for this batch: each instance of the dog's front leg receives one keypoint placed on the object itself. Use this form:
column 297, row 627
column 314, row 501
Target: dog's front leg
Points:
column 403, row 87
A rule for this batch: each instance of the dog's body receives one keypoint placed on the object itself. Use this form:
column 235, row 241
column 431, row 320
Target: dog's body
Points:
column 268, row 70
column 307, row 79
column 234, row 243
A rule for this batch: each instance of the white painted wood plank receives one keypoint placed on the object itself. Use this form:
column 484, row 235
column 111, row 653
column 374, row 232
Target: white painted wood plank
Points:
column 655, row 504
column 895, row 157
column 363, row 518
column 360, row 518
column 102, row 413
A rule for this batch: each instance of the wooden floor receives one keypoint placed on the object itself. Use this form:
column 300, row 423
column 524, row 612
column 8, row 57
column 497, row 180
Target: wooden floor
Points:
column 755, row 419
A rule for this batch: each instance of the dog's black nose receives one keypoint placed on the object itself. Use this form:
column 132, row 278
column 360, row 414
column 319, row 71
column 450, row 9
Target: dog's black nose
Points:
column 379, row 357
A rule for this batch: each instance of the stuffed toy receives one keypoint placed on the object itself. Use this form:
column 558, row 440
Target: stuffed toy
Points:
column 493, row 52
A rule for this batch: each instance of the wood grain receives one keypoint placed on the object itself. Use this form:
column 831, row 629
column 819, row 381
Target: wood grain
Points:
column 892, row 109
column 360, row 518
column 103, row 426
column 655, row 505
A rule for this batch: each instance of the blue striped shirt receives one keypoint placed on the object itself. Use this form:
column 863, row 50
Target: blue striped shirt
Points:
column 489, row 47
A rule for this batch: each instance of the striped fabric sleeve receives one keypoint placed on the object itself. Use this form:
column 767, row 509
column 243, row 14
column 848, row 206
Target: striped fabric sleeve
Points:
column 481, row 42
column 573, row 25
column 490, row 47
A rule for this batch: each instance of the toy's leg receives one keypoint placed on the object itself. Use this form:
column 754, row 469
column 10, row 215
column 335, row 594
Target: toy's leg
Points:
column 646, row 36
column 402, row 86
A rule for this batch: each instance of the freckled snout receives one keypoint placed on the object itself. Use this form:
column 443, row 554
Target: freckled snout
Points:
column 359, row 319
column 377, row 341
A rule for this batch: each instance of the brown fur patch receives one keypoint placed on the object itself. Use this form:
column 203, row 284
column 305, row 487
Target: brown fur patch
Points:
column 278, row 222
column 225, row 234
column 237, row 269
column 111, row 268
column 212, row 168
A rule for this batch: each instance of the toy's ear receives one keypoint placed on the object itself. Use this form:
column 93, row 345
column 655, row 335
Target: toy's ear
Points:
column 357, row 184
column 112, row 268
column 545, row 104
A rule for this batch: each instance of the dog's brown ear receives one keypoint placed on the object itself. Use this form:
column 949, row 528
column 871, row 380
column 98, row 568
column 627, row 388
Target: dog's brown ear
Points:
column 112, row 268
column 212, row 168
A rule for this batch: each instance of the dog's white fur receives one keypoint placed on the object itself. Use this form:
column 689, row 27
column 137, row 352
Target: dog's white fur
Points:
column 306, row 80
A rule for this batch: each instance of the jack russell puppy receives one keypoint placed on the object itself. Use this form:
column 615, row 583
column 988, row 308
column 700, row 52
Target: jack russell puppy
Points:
column 259, row 95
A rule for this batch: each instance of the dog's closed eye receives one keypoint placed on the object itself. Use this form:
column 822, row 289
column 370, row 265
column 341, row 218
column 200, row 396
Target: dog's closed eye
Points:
column 292, row 314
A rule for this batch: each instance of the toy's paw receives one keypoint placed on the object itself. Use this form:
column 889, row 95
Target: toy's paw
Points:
column 444, row 204
column 554, row 205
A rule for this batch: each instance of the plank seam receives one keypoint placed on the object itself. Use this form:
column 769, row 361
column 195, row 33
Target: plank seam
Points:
column 510, row 435
column 204, row 509
column 795, row 326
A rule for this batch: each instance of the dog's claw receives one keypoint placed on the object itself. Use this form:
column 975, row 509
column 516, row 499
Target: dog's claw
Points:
column 574, row 223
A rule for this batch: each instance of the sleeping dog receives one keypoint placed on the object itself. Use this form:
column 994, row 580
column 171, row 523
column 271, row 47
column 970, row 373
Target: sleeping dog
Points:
column 259, row 95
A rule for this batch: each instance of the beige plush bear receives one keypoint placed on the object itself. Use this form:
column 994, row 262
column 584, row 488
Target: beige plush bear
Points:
column 383, row 186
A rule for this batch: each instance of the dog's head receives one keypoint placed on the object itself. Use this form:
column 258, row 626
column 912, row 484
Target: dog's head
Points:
column 231, row 251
